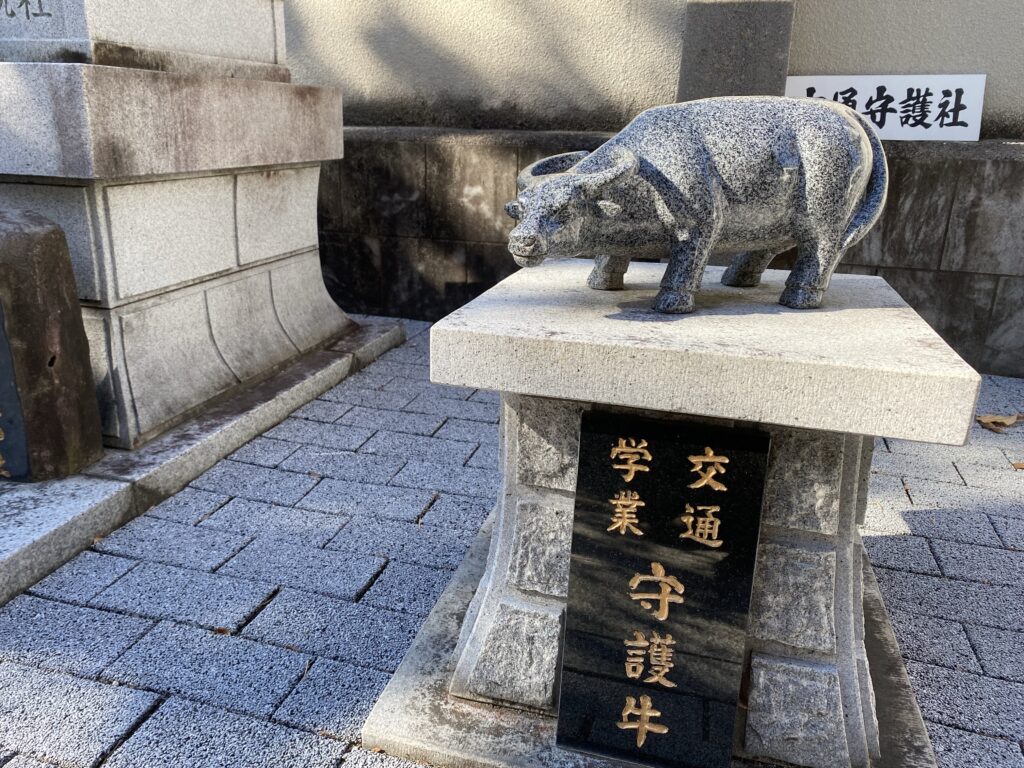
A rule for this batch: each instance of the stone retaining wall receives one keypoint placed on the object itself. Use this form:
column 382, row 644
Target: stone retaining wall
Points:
column 412, row 225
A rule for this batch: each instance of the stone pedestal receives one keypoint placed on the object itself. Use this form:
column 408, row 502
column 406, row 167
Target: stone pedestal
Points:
column 822, row 383
column 188, row 194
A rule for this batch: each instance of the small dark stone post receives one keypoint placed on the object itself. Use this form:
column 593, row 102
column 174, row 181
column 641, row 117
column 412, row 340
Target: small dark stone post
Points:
column 49, row 417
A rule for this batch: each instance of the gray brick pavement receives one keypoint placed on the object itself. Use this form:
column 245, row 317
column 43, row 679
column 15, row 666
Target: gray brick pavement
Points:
column 945, row 530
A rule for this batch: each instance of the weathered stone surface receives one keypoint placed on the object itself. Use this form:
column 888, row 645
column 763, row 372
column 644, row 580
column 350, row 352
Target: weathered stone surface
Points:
column 469, row 185
column 275, row 212
column 303, row 306
column 793, row 598
column 539, row 560
column 83, row 578
column 49, row 421
column 547, row 441
column 518, row 659
column 795, row 713
column 1004, row 347
column 803, row 483
column 82, row 131
column 888, row 365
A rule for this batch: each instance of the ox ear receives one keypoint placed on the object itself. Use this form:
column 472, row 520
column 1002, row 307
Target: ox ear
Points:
column 608, row 208
column 553, row 164
column 514, row 209
column 624, row 163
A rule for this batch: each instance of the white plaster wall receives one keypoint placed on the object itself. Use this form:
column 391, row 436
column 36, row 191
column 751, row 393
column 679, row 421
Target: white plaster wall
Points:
column 575, row 60
column 920, row 36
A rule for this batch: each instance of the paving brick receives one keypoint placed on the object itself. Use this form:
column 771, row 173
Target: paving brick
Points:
column 407, row 353
column 405, row 542
column 934, row 641
column 360, row 500
column 428, row 449
column 188, row 506
column 468, row 512
column 334, row 699
column 414, row 388
column 999, row 651
column 338, row 574
column 403, row 370
column 485, row 457
column 223, row 670
column 344, row 465
column 951, row 497
column 21, row 761
column 342, row 438
column 911, row 465
column 1011, row 531
column 456, row 409
column 369, row 398
column 183, row 733
column 962, row 700
column 65, row 719
column 80, row 580
column 465, row 481
column 264, row 452
column 985, row 564
column 890, row 510
column 393, row 421
column 343, row 631
column 978, row 454
column 162, row 592
column 368, row 378
column 1013, row 387
column 964, row 601
column 486, row 396
column 955, row 748
column 67, row 638
column 271, row 521
column 407, row 588
column 468, row 431
column 172, row 544
column 256, row 483
column 322, row 410
column 1003, row 479
column 416, row 329
column 905, row 553
column 362, row 758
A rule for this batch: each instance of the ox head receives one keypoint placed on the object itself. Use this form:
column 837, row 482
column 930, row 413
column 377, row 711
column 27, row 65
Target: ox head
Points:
column 556, row 199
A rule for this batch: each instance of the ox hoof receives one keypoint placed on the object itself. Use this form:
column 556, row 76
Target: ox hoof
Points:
column 800, row 297
column 739, row 278
column 673, row 302
column 602, row 281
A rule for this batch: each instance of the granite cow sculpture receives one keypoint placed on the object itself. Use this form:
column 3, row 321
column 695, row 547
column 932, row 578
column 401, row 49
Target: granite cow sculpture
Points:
column 747, row 175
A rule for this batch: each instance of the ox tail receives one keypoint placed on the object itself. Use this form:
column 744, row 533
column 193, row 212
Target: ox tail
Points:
column 874, row 195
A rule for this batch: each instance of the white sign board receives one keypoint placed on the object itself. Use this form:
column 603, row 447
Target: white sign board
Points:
column 904, row 107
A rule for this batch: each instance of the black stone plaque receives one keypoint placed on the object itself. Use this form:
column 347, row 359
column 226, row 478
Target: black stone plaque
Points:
column 664, row 538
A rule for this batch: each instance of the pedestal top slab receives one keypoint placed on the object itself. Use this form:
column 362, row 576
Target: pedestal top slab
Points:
column 863, row 363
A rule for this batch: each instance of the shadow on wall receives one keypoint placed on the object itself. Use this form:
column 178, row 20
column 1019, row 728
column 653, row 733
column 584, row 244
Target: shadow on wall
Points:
column 492, row 64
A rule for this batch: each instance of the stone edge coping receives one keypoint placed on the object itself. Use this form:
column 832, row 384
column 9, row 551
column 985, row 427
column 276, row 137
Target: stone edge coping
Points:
column 928, row 405
column 416, row 718
column 120, row 122
column 132, row 482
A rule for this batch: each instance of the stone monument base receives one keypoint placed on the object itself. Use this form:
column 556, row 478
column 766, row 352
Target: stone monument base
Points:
column 416, row 717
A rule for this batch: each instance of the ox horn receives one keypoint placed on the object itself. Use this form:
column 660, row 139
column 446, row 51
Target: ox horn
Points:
column 554, row 164
column 625, row 162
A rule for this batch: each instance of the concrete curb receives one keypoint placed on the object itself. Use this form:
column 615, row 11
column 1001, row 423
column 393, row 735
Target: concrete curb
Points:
column 44, row 525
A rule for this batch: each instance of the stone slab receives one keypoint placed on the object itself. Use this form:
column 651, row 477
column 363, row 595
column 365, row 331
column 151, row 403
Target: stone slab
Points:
column 93, row 718
column 82, row 130
column 416, row 719
column 865, row 363
column 160, row 541
column 180, row 729
column 275, row 522
column 84, row 577
column 226, row 671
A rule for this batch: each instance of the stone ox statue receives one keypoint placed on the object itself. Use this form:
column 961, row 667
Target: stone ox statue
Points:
column 748, row 175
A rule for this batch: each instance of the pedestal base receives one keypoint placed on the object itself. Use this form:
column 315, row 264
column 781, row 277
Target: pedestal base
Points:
column 418, row 719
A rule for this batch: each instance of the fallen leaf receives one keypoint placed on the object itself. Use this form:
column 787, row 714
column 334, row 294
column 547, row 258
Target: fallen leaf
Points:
column 1018, row 465
column 997, row 423
column 221, row 631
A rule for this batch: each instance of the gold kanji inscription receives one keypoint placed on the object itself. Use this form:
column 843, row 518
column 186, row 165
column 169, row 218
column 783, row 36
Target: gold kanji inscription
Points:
column 624, row 519
column 703, row 529
column 653, row 656
column 644, row 714
column 631, row 453
column 670, row 590
column 707, row 466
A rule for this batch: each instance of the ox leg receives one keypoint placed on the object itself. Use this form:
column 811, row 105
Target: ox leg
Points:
column 682, row 278
column 746, row 269
column 608, row 273
column 806, row 284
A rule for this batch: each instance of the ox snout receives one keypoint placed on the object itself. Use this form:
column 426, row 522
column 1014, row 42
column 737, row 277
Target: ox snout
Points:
column 527, row 249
